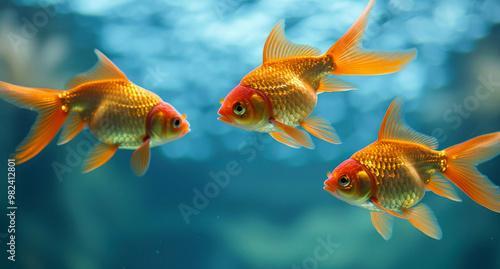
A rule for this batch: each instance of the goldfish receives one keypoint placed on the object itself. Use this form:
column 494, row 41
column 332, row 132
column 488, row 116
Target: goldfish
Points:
column 117, row 112
column 390, row 176
column 281, row 93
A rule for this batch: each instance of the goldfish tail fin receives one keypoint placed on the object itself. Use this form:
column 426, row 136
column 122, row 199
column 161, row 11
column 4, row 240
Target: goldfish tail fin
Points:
column 351, row 59
column 50, row 118
column 462, row 171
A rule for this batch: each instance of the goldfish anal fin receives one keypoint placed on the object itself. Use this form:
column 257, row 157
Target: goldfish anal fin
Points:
column 422, row 217
column 462, row 171
column 277, row 46
column 300, row 136
column 50, row 116
column 394, row 127
column 99, row 155
column 140, row 159
column 441, row 186
column 104, row 69
column 321, row 128
column 351, row 59
column 383, row 223
column 387, row 210
column 74, row 124
column 332, row 84
column 285, row 139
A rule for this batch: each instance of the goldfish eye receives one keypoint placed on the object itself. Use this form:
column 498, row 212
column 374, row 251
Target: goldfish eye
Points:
column 344, row 181
column 238, row 109
column 176, row 122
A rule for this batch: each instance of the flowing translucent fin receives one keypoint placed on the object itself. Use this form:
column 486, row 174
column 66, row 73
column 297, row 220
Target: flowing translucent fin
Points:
column 394, row 127
column 462, row 171
column 277, row 46
column 99, row 155
column 50, row 118
column 74, row 124
column 285, row 139
column 321, row 128
column 383, row 223
column 102, row 70
column 332, row 84
column 140, row 159
column 302, row 137
column 441, row 186
column 351, row 59
column 422, row 217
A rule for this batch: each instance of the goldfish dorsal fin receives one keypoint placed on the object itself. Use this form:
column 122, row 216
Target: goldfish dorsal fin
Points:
column 279, row 47
column 102, row 70
column 394, row 127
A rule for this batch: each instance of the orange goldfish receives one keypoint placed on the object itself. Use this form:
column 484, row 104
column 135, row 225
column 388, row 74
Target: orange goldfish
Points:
column 389, row 177
column 119, row 114
column 280, row 94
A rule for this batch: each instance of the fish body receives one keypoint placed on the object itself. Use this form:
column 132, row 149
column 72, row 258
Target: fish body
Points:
column 390, row 176
column 119, row 105
column 281, row 94
column 118, row 113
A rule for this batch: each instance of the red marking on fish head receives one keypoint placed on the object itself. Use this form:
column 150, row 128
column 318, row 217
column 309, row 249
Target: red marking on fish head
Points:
column 245, row 108
column 166, row 124
column 350, row 182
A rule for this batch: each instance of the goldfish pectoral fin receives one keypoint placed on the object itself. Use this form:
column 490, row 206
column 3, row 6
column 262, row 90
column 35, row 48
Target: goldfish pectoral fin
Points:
column 285, row 139
column 74, row 124
column 394, row 127
column 387, row 210
column 302, row 137
column 103, row 69
column 441, row 186
column 99, row 154
column 333, row 84
column 50, row 118
column 277, row 46
column 351, row 59
column 422, row 217
column 321, row 128
column 140, row 159
column 383, row 223
column 462, row 171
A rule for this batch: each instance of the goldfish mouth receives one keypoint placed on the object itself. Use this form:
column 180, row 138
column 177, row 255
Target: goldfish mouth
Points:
column 185, row 131
column 329, row 189
column 225, row 119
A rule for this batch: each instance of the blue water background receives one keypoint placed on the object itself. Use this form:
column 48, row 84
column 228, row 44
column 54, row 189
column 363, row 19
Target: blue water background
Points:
column 273, row 212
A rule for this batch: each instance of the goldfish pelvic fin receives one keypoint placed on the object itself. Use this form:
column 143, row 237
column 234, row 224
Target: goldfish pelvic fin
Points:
column 332, row 84
column 321, row 128
column 351, row 59
column 441, row 186
column 74, row 124
column 285, row 139
column 300, row 136
column 422, row 217
column 462, row 171
column 140, row 159
column 383, row 223
column 394, row 127
column 99, row 155
column 104, row 69
column 50, row 117
column 387, row 210
column 277, row 46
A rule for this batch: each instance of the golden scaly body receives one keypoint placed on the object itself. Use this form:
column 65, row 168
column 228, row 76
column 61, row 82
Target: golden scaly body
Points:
column 116, row 110
column 290, row 85
column 401, row 171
